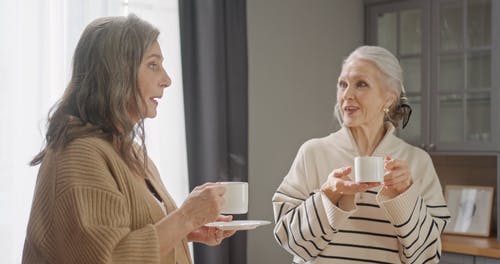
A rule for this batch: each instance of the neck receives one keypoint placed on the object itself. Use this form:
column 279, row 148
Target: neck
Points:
column 367, row 138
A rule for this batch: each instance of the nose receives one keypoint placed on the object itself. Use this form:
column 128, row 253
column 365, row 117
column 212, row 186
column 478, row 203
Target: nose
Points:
column 165, row 80
column 348, row 93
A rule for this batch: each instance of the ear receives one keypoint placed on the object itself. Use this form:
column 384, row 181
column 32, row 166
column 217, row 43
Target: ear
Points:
column 390, row 99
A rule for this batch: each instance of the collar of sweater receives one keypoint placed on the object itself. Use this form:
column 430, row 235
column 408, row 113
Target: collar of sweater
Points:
column 343, row 139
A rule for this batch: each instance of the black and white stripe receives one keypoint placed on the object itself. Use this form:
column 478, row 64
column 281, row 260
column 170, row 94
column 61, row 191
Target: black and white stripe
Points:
column 420, row 240
column 304, row 230
column 372, row 227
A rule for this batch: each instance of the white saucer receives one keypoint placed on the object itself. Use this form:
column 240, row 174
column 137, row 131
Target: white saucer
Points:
column 239, row 224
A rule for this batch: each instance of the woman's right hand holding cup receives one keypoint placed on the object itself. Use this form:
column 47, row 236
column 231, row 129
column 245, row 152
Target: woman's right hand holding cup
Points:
column 203, row 204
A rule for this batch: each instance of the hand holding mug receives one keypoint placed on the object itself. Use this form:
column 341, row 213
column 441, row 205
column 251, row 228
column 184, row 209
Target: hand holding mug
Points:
column 203, row 204
column 398, row 177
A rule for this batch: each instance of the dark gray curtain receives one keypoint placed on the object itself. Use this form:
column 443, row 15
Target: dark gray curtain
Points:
column 214, row 63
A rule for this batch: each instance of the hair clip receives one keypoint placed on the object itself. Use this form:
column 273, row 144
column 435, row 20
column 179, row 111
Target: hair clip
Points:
column 406, row 117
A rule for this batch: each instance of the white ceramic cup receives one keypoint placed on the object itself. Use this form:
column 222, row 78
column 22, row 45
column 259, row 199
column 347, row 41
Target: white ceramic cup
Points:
column 235, row 198
column 369, row 169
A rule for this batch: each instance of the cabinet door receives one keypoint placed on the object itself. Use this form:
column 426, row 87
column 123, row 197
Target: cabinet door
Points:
column 450, row 54
column 451, row 258
column 401, row 28
column 483, row 260
column 462, row 61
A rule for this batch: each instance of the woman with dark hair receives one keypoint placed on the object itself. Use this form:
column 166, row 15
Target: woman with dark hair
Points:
column 98, row 197
column 323, row 216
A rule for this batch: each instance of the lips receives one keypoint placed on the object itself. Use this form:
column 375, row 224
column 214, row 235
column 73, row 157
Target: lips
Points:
column 155, row 99
column 350, row 109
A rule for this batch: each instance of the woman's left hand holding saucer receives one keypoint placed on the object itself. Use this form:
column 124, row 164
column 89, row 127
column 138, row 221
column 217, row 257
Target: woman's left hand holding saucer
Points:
column 338, row 183
column 211, row 236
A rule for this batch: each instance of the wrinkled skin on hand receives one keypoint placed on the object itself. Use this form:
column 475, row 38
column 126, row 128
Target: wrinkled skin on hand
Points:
column 339, row 183
column 203, row 204
column 397, row 178
column 211, row 236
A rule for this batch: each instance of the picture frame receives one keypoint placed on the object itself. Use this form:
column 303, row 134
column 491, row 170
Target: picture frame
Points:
column 470, row 208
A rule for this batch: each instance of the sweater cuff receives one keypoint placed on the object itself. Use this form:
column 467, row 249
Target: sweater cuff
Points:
column 334, row 214
column 400, row 208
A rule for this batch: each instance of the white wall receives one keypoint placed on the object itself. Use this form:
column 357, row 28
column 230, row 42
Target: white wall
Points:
column 295, row 49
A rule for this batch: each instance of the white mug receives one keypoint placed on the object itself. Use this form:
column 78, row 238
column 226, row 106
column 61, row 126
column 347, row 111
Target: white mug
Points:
column 235, row 198
column 369, row 169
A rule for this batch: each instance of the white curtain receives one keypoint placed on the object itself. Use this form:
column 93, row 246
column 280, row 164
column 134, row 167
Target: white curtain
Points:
column 38, row 38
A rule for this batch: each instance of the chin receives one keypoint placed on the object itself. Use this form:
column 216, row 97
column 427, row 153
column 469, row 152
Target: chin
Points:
column 350, row 123
column 151, row 113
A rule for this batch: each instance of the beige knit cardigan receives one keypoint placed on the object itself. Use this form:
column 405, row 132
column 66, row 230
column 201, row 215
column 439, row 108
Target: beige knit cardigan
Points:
column 88, row 207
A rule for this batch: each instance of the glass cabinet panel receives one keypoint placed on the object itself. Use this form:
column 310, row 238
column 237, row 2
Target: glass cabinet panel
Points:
column 411, row 74
column 447, row 49
column 478, row 117
column 451, row 118
column 387, row 31
column 451, row 25
column 479, row 23
column 410, row 37
column 479, row 70
column 451, row 73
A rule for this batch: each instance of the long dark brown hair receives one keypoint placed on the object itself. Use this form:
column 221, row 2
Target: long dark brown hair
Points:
column 103, row 92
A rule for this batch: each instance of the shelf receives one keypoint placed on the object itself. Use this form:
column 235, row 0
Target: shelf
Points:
column 477, row 246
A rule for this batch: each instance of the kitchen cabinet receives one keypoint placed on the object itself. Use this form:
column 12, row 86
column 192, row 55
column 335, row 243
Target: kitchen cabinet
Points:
column 468, row 249
column 483, row 260
column 451, row 258
column 450, row 54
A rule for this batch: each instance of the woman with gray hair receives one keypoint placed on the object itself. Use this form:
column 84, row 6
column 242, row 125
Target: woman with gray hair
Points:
column 323, row 216
column 98, row 196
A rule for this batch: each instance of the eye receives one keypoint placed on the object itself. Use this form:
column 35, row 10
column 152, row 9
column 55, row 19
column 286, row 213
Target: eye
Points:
column 153, row 66
column 362, row 84
column 342, row 84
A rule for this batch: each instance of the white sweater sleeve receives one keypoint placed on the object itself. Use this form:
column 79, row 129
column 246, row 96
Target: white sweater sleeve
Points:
column 305, row 218
column 419, row 215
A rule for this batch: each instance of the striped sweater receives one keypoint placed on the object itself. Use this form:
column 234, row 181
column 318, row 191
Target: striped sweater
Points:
column 88, row 207
column 366, row 227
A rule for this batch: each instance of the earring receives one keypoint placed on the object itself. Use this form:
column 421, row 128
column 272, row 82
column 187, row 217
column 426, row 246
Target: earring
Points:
column 386, row 110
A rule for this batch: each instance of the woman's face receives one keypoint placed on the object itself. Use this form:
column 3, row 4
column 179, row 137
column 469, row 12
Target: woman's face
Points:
column 362, row 95
column 152, row 79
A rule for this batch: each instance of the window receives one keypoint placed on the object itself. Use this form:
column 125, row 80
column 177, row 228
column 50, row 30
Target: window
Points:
column 38, row 40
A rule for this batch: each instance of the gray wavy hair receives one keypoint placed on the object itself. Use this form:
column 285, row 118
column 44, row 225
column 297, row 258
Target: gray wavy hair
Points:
column 103, row 92
column 388, row 64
